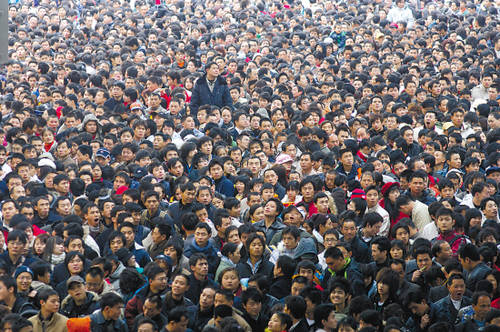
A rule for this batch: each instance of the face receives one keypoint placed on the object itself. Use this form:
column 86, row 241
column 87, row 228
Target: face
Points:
column 417, row 185
column 256, row 248
column 52, row 304
column 230, row 281
column 201, row 236
column 482, row 307
column 201, row 268
column 457, row 289
column 179, row 286
column 207, row 297
column 159, row 282
column 275, row 324
column 349, row 230
column 24, row 281
column 75, row 245
column 424, row 261
column 94, row 284
column 445, row 223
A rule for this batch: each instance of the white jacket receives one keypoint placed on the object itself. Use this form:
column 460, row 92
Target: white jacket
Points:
column 404, row 15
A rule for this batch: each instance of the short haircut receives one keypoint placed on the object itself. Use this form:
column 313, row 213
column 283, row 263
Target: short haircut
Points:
column 296, row 305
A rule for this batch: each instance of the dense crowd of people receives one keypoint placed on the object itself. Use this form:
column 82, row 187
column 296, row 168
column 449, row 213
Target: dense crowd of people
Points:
column 213, row 166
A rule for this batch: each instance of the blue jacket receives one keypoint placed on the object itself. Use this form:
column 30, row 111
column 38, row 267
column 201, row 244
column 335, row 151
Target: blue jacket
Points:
column 98, row 324
column 224, row 186
column 141, row 255
column 209, row 250
column 202, row 95
column 478, row 273
column 447, row 310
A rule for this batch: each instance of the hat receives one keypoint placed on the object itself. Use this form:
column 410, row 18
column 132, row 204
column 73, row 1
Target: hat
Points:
column 165, row 258
column 283, row 159
column 135, row 106
column 388, row 186
column 47, row 162
column 393, row 25
column 74, row 279
column 121, row 190
column 492, row 169
column 102, row 152
column 140, row 172
column 124, row 255
column 22, row 269
column 358, row 193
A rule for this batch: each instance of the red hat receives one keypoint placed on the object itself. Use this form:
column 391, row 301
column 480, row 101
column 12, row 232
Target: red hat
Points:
column 386, row 188
column 359, row 193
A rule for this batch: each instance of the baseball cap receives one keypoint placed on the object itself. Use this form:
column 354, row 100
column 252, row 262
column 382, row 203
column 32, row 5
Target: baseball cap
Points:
column 74, row 279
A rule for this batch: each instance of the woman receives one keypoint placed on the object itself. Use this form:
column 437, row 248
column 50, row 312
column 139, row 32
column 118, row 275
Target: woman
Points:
column 398, row 250
column 75, row 266
column 401, row 232
column 230, row 258
column 48, row 139
column 39, row 245
column 358, row 205
column 229, row 279
column 387, row 287
column 390, row 192
column 187, row 152
column 54, row 251
column 241, row 183
column 256, row 263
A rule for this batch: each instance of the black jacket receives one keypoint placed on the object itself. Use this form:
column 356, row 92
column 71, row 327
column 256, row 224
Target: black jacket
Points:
column 265, row 268
column 302, row 326
column 202, row 95
column 281, row 287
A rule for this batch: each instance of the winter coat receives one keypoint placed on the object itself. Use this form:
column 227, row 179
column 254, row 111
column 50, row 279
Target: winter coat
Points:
column 71, row 310
column 57, row 323
column 98, row 324
column 202, row 95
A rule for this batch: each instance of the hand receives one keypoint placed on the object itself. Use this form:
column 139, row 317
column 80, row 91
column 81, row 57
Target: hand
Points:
column 424, row 321
column 416, row 275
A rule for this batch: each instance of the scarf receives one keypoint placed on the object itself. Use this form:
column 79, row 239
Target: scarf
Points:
column 57, row 259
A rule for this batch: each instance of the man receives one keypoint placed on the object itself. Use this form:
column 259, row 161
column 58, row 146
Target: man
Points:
column 199, row 277
column 79, row 302
column 372, row 222
column 469, row 257
column 479, row 191
column 271, row 222
column 284, row 269
column 348, row 229
column 226, row 298
column 15, row 256
column 418, row 211
column 445, row 223
column 339, row 265
column 43, row 215
column 10, row 298
column 324, row 318
column 185, row 204
column 141, row 256
column 157, row 284
column 472, row 318
column 177, row 296
column 94, row 281
column 451, row 304
column 416, row 188
column 372, row 199
column 160, row 235
column 177, row 320
column 251, row 300
column 222, row 184
column 107, row 318
column 152, row 310
column 441, row 252
column 380, row 247
column 296, row 306
column 205, row 308
column 49, row 319
column 347, row 166
column 210, row 89
column 423, row 314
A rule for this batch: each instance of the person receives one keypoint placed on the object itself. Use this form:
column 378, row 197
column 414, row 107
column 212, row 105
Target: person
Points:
column 79, row 302
column 296, row 306
column 400, row 13
column 470, row 259
column 282, row 282
column 49, row 319
column 450, row 305
column 199, row 278
column 424, row 314
column 210, row 89
column 251, row 300
column 157, row 284
column 107, row 318
column 474, row 316
column 152, row 310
